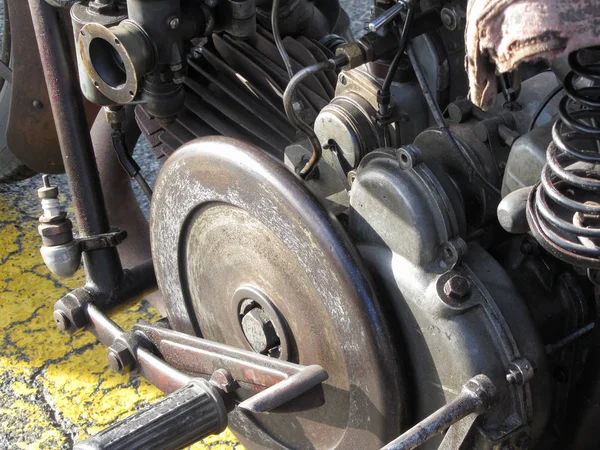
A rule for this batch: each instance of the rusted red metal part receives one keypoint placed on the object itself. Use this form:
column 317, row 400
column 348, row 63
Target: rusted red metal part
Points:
column 31, row 132
column 251, row 370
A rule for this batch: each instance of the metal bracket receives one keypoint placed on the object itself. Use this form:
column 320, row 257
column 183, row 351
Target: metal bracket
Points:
column 105, row 240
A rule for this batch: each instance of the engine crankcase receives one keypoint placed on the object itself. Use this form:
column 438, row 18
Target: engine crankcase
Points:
column 459, row 312
column 246, row 256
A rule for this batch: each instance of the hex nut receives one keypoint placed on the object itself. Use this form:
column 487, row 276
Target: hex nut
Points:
column 353, row 53
column 120, row 358
column 114, row 115
column 457, row 287
column 54, row 229
column 73, row 309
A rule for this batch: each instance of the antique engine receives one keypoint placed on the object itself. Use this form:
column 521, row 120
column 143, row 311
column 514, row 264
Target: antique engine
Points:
column 359, row 213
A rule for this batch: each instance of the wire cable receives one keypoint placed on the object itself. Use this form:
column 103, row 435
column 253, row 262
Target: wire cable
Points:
column 389, row 77
column 288, row 104
column 277, row 37
column 443, row 125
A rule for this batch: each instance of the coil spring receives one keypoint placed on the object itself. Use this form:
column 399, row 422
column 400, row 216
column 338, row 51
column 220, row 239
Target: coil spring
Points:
column 563, row 209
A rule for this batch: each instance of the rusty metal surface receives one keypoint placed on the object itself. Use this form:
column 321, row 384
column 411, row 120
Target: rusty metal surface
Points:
column 31, row 133
column 247, row 369
column 314, row 279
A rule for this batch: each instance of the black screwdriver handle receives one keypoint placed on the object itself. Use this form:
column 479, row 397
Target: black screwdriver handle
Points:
column 174, row 422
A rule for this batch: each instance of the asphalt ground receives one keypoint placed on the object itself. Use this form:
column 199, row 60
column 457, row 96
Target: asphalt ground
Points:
column 57, row 389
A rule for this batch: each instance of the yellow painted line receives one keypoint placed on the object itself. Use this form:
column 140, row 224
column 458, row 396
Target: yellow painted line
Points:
column 56, row 389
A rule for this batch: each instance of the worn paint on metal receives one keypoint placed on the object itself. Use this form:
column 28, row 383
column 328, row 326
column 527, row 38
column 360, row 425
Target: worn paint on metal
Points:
column 55, row 389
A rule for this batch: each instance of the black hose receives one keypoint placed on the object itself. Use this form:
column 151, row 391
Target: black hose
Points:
column 441, row 122
column 288, row 104
column 389, row 78
column 543, row 105
column 128, row 162
column 277, row 37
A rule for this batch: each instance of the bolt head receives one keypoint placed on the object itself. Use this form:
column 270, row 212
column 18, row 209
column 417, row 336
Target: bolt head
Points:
column 37, row 104
column 174, row 23
column 114, row 363
column 223, row 380
column 448, row 19
column 61, row 320
column 457, row 287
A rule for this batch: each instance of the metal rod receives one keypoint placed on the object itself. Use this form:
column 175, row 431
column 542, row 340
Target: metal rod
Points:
column 288, row 104
column 552, row 348
column 286, row 390
column 103, row 267
column 475, row 397
column 389, row 15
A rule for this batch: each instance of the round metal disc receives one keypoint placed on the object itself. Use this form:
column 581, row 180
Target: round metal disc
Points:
column 232, row 229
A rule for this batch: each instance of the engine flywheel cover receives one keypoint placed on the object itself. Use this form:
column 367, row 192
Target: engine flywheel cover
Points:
column 247, row 256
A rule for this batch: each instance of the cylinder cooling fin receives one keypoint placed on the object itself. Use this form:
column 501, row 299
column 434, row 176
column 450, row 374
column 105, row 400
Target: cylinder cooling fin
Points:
column 235, row 88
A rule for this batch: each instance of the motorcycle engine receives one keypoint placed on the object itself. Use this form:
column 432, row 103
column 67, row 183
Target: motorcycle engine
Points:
column 457, row 284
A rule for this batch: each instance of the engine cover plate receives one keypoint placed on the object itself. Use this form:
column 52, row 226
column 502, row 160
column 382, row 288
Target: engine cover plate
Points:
column 246, row 256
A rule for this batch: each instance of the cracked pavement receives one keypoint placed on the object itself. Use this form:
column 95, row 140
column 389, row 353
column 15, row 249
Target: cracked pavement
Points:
column 55, row 389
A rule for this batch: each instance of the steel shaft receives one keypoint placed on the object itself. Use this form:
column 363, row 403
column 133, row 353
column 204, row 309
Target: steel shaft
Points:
column 475, row 397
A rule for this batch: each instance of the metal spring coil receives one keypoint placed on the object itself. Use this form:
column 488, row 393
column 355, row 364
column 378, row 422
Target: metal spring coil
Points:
column 563, row 209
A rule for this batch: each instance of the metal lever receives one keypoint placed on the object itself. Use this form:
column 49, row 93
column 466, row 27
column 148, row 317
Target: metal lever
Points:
column 476, row 396
column 389, row 15
column 187, row 415
column 195, row 408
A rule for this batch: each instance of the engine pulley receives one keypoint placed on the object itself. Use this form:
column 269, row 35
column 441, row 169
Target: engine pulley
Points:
column 245, row 255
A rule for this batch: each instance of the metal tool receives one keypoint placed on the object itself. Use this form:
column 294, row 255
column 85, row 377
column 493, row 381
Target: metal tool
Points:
column 387, row 17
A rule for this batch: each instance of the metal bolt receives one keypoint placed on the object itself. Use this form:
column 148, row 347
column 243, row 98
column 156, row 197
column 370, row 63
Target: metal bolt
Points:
column 223, row 380
column 453, row 17
column 259, row 331
column 298, row 107
column 351, row 177
column 174, row 23
column 448, row 19
column 61, row 320
column 37, row 104
column 457, row 287
column 120, row 358
column 520, row 371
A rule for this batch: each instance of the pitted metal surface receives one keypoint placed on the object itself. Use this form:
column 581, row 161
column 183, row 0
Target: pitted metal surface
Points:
column 228, row 227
